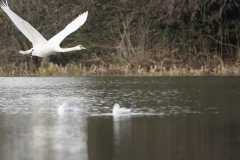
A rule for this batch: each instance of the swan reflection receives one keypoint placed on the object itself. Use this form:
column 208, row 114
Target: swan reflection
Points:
column 65, row 136
column 122, row 135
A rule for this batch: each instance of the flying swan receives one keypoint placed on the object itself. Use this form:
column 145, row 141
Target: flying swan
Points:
column 42, row 47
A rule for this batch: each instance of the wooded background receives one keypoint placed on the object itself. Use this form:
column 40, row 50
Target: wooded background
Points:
column 135, row 32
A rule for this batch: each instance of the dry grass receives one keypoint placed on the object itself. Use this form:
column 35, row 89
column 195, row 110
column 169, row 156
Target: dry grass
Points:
column 72, row 69
column 58, row 70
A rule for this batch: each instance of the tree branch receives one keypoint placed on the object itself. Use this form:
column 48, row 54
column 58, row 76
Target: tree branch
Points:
column 209, row 36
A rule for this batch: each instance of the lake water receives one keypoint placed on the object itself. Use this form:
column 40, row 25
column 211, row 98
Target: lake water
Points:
column 172, row 118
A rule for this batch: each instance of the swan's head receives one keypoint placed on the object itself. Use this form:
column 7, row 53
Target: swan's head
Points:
column 80, row 47
column 62, row 107
column 115, row 109
column 115, row 106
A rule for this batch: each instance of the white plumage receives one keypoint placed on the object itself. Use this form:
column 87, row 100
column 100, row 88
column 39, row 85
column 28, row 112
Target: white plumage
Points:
column 42, row 47
column 65, row 109
column 120, row 111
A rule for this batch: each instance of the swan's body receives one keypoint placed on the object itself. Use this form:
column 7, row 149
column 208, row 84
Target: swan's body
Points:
column 42, row 47
column 65, row 109
column 117, row 111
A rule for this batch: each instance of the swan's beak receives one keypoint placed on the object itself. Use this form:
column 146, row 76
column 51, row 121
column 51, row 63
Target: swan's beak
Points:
column 83, row 47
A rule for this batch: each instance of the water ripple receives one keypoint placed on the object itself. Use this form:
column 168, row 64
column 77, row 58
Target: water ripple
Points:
column 98, row 94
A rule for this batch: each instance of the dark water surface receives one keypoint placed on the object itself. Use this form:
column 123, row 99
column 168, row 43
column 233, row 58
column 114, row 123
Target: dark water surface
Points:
column 172, row 118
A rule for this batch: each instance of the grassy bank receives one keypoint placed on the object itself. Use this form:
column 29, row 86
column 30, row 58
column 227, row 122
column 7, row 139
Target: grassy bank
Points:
column 72, row 69
column 130, row 37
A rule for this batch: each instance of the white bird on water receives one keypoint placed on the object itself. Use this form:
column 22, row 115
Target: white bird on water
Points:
column 65, row 109
column 117, row 111
column 42, row 47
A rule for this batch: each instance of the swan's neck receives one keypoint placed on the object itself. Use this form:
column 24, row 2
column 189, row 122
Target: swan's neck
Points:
column 68, row 49
column 61, row 109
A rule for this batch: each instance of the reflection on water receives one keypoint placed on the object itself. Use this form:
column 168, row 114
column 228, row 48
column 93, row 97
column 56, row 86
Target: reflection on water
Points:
column 64, row 139
column 171, row 118
column 16, row 137
column 122, row 136
column 141, row 138
column 58, row 137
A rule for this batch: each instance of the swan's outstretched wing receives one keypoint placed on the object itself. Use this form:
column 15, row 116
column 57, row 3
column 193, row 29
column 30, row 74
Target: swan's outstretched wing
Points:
column 71, row 27
column 31, row 33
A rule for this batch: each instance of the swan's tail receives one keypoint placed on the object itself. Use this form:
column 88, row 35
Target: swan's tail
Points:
column 26, row 52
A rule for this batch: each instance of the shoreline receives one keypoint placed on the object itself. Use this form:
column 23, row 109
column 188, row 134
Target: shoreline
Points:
column 72, row 69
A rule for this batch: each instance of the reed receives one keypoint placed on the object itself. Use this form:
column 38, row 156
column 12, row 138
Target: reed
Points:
column 70, row 69
column 73, row 69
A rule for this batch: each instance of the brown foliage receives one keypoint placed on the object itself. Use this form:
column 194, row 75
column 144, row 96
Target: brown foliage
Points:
column 130, row 32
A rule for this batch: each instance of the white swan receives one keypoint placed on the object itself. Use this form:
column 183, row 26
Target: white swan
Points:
column 42, row 47
column 117, row 111
column 65, row 109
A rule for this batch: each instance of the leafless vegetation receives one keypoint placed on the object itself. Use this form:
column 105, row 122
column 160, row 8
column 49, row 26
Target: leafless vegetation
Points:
column 156, row 37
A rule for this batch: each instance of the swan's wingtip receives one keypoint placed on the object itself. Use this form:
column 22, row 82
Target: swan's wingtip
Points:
column 86, row 13
column 4, row 4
